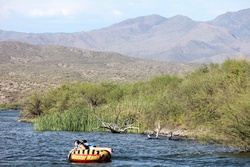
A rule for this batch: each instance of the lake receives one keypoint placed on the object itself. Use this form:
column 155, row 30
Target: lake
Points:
column 22, row 146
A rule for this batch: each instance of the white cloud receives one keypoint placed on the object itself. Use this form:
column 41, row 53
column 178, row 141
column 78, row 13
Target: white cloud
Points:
column 40, row 13
column 117, row 13
column 41, row 8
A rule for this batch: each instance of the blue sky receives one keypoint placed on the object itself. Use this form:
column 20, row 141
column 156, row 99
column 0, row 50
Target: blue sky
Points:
column 40, row 16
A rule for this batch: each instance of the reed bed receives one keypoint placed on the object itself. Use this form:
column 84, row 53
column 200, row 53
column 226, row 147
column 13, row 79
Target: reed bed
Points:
column 76, row 119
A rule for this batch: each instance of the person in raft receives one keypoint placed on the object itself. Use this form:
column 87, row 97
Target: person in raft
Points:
column 85, row 142
column 77, row 144
column 92, row 146
column 83, row 147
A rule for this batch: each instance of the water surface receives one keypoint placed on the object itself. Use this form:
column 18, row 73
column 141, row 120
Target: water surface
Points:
column 20, row 145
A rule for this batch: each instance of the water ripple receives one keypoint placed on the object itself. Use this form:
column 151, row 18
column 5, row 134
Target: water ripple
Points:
column 22, row 146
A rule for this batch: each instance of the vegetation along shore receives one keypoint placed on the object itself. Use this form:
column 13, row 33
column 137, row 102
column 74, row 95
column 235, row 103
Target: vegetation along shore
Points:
column 212, row 101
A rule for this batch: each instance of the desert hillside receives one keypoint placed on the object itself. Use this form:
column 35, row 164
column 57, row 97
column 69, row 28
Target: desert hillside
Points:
column 26, row 67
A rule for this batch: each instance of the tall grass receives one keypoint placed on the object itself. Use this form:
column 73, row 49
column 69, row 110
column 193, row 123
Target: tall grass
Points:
column 74, row 119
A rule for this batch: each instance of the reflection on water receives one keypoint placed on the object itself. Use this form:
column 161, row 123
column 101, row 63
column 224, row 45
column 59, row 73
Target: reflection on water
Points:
column 22, row 146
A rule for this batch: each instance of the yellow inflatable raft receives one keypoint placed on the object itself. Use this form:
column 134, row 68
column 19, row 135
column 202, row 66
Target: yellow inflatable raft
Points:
column 89, row 156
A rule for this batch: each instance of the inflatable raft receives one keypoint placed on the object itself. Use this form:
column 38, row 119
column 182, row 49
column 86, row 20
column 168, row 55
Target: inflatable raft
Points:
column 89, row 156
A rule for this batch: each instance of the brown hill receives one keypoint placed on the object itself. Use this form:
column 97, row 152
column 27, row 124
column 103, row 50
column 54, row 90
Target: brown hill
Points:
column 26, row 67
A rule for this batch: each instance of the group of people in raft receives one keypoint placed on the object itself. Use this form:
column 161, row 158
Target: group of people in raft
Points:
column 84, row 145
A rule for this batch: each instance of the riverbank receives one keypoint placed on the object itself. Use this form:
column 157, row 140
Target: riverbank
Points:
column 200, row 135
column 176, row 132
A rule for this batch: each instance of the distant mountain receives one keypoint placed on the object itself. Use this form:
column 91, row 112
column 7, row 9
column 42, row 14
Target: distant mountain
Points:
column 175, row 39
column 238, row 23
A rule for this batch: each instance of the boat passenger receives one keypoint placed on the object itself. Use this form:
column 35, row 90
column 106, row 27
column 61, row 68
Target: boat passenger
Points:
column 88, row 144
column 77, row 144
column 83, row 146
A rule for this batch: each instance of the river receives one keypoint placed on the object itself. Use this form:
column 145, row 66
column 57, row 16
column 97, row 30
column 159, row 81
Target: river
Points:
column 20, row 145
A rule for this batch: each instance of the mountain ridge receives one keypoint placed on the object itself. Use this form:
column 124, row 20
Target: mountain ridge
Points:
column 174, row 39
column 236, row 22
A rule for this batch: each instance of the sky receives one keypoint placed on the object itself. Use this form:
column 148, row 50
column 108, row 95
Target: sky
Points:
column 69, row 16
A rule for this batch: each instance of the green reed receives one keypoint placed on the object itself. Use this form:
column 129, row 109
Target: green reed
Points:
column 74, row 119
